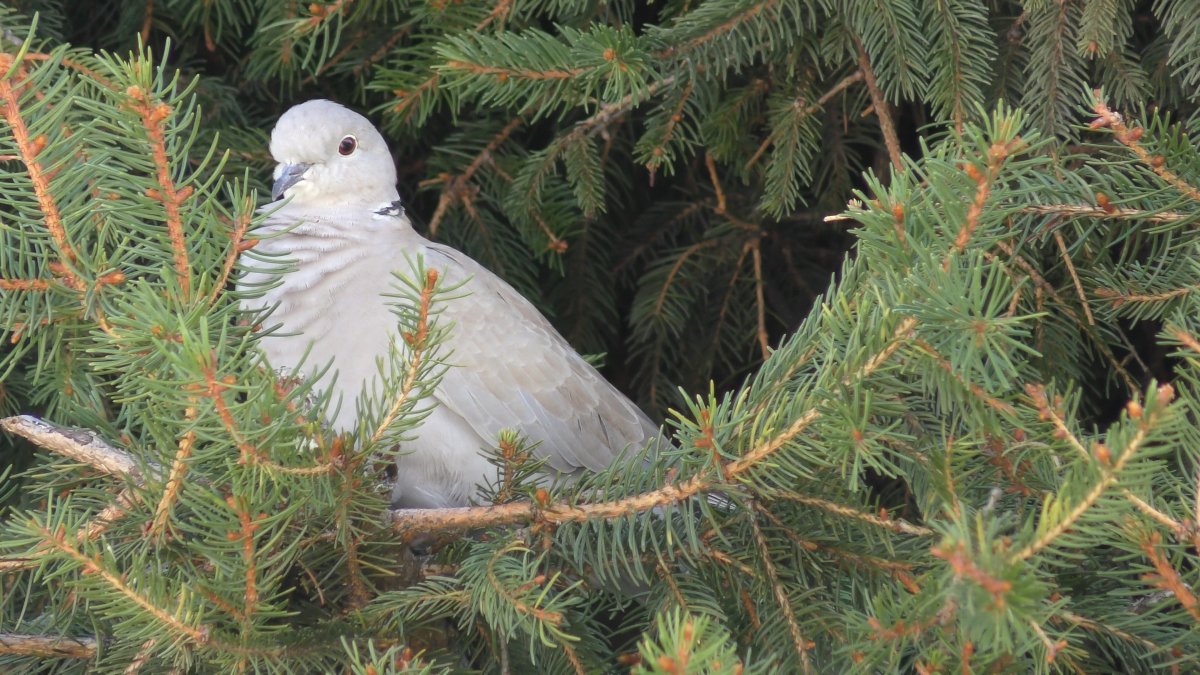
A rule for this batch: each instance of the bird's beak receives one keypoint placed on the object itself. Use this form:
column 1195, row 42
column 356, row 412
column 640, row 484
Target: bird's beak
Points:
column 289, row 175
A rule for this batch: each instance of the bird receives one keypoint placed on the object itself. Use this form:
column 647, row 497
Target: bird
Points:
column 344, row 231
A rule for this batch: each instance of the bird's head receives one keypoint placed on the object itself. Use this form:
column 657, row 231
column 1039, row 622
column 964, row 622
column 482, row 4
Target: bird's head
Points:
column 330, row 155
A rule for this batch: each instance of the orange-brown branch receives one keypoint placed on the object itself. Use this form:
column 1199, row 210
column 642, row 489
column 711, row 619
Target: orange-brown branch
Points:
column 24, row 285
column 172, row 198
column 1167, row 578
column 238, row 244
column 28, row 148
column 964, row 567
column 417, row 342
column 1130, row 138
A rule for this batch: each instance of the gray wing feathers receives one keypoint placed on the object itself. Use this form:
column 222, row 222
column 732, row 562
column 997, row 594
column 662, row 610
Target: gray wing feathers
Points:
column 510, row 369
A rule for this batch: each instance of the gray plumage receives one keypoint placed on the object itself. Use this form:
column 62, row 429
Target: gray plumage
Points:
column 345, row 232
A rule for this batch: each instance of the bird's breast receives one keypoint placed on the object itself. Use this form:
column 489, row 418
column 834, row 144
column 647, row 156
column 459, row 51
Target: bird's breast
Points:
column 330, row 310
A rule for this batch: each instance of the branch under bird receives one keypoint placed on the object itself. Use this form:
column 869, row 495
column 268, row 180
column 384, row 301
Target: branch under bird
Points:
column 344, row 230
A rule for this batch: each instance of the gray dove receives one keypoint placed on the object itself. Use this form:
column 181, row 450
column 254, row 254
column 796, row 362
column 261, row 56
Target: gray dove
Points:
column 344, row 231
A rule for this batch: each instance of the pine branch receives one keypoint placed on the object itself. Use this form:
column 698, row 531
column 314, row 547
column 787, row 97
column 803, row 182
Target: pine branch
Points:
column 48, row 647
column 1106, row 211
column 82, row 446
column 153, row 115
column 28, row 149
column 1110, row 470
column 801, row 644
column 435, row 521
column 1131, row 138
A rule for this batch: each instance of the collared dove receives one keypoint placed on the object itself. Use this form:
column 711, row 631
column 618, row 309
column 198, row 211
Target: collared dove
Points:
column 346, row 233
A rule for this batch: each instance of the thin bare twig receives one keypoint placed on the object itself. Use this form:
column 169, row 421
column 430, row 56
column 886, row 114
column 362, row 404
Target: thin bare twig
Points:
column 1062, row 247
column 886, row 126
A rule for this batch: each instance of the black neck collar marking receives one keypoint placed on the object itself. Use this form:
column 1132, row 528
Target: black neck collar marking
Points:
column 395, row 209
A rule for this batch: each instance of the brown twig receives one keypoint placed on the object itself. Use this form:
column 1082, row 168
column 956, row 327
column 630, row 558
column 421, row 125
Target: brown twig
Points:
column 247, row 526
column 1104, row 629
column 886, row 126
column 499, row 13
column 1052, row 648
column 963, row 566
column 505, row 74
column 407, row 99
column 608, row 113
column 26, row 285
column 336, row 58
column 87, row 448
column 976, row 390
column 148, row 22
column 1120, row 297
column 1043, row 288
column 73, row 65
column 214, row 390
column 673, row 121
column 671, row 274
column 143, row 656
column 95, row 527
column 997, row 154
column 716, row 182
column 760, row 301
column 456, row 187
column 1062, row 247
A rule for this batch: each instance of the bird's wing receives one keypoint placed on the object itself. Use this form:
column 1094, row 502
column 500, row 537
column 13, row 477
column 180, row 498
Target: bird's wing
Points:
column 510, row 369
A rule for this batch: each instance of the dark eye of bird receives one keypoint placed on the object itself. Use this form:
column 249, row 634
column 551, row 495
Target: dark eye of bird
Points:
column 347, row 145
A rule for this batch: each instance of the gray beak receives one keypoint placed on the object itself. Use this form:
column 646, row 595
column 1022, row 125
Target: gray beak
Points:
column 289, row 175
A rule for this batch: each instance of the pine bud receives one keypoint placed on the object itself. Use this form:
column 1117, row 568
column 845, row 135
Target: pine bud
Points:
column 1134, row 409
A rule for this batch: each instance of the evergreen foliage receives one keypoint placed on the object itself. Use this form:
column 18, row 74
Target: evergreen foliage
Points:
column 976, row 451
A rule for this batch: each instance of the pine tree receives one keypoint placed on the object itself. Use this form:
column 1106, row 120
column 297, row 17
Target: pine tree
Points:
column 977, row 449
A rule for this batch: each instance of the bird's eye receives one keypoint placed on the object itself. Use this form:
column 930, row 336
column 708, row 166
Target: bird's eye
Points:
column 347, row 145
